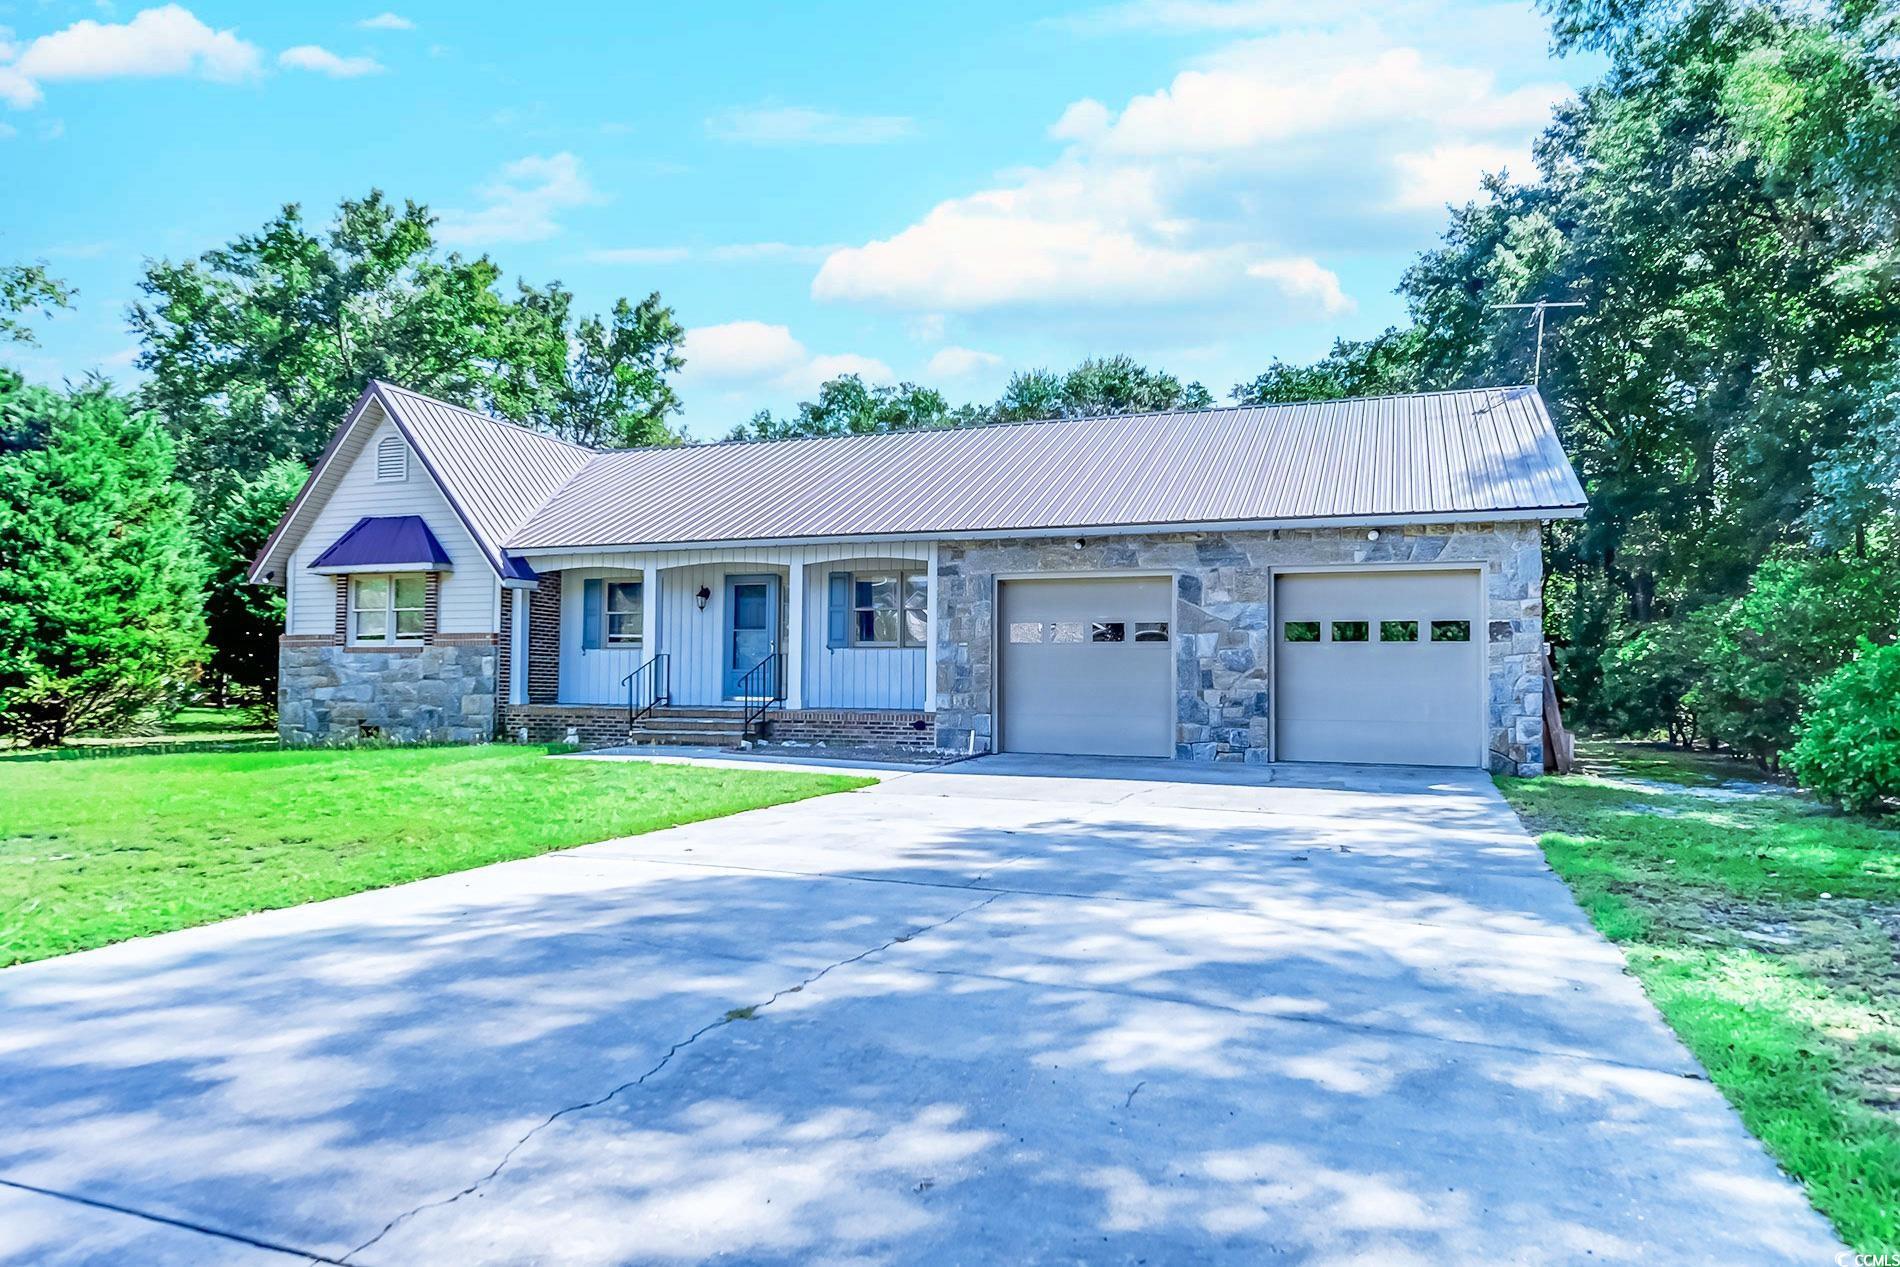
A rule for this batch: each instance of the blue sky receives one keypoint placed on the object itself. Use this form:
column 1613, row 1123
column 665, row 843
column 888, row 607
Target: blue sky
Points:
column 939, row 193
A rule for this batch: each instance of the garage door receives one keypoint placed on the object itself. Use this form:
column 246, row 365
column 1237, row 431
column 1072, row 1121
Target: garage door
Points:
column 1378, row 667
column 1085, row 666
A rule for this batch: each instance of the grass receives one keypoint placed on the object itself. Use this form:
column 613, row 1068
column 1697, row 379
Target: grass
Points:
column 98, row 850
column 1767, row 931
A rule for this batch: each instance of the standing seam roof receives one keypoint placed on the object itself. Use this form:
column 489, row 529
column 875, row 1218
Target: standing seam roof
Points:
column 1460, row 454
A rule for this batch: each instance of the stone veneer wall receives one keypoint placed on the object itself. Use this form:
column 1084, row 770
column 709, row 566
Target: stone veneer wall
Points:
column 1223, row 623
column 442, row 692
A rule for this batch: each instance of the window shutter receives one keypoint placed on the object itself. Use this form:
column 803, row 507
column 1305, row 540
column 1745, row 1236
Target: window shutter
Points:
column 341, row 634
column 593, row 614
column 431, row 605
column 838, row 611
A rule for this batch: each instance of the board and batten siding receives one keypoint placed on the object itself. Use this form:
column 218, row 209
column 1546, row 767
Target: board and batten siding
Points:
column 596, row 676
column 858, row 677
column 844, row 677
column 470, row 594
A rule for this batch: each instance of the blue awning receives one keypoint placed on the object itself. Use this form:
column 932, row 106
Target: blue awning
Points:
column 515, row 569
column 388, row 541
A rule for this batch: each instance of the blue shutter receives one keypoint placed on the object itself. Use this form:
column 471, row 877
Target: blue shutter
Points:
column 838, row 611
column 593, row 614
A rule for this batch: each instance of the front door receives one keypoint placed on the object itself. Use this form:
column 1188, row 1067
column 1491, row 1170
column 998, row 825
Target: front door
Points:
column 751, row 627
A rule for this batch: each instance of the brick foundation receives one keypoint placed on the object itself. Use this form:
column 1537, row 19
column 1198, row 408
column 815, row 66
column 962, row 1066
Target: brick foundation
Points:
column 605, row 726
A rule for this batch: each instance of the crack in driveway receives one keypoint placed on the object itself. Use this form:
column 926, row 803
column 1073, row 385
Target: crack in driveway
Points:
column 736, row 1014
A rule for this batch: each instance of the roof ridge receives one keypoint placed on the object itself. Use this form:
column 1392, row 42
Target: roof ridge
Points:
column 522, row 428
column 1063, row 422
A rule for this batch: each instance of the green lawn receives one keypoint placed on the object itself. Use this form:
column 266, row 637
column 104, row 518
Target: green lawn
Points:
column 1767, row 930
column 96, row 850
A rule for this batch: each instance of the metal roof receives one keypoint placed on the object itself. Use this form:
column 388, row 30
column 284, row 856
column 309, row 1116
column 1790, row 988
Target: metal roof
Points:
column 1460, row 455
column 496, row 473
column 385, row 541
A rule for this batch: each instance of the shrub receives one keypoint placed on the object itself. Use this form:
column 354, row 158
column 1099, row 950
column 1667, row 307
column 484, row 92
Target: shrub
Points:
column 1764, row 652
column 1849, row 749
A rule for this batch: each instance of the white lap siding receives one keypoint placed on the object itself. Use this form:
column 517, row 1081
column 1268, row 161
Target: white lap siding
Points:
column 469, row 595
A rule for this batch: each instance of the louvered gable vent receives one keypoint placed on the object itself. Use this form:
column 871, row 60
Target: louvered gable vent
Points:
column 392, row 459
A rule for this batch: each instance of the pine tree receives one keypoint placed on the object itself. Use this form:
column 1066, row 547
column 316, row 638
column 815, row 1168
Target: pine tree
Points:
column 101, row 584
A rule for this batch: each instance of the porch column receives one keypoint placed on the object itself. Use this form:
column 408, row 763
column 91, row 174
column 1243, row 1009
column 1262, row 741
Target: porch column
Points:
column 649, row 611
column 930, row 630
column 518, row 647
column 795, row 635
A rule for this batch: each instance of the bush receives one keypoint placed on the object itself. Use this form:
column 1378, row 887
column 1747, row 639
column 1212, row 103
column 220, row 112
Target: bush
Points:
column 1765, row 652
column 1849, row 749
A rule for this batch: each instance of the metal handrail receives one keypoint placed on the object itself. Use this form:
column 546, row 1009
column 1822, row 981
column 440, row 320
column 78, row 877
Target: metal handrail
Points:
column 761, row 687
column 658, row 672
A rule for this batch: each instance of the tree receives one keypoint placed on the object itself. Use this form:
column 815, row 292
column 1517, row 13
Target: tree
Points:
column 1120, row 385
column 1384, row 365
column 847, row 405
column 26, row 288
column 258, row 348
column 101, row 605
column 243, row 620
column 1028, row 395
column 616, row 391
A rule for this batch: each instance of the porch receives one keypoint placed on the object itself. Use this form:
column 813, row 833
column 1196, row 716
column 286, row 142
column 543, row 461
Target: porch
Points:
column 839, row 640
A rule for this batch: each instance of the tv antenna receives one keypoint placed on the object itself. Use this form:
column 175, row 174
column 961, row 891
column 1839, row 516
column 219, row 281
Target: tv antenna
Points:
column 1538, row 308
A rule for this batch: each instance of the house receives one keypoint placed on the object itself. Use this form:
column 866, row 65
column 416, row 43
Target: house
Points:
column 1356, row 580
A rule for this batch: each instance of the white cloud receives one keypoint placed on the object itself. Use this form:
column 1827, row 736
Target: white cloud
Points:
column 1216, row 195
column 166, row 41
column 756, row 355
column 316, row 58
column 955, row 362
column 8, row 131
column 803, row 125
column 387, row 22
column 522, row 205
column 1451, row 174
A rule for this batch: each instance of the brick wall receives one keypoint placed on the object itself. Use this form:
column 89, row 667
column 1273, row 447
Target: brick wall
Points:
column 605, row 725
column 544, row 641
column 505, row 647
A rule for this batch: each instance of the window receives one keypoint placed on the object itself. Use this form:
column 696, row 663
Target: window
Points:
column 623, row 613
column 890, row 609
column 1300, row 630
column 1351, row 631
column 1025, row 631
column 1066, row 631
column 387, row 609
column 1451, row 631
column 1398, row 631
column 1151, row 631
column 1107, row 631
column 392, row 459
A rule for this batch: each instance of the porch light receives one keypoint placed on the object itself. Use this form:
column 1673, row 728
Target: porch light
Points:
column 1080, row 543
column 702, row 596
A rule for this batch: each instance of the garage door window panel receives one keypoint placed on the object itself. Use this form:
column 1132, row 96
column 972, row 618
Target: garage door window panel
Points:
column 1398, row 631
column 1451, row 631
column 1108, row 631
column 1300, row 630
column 1351, row 631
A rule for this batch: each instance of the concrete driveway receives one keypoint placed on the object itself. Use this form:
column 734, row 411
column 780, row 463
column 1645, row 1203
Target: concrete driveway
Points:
column 1015, row 1010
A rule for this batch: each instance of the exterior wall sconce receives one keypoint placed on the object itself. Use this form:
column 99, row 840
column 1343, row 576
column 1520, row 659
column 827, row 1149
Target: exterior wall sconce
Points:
column 702, row 596
column 1080, row 543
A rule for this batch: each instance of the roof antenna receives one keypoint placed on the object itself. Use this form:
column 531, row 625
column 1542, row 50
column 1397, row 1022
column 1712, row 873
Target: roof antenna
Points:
column 1538, row 308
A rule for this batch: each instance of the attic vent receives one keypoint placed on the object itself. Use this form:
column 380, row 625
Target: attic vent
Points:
column 392, row 459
